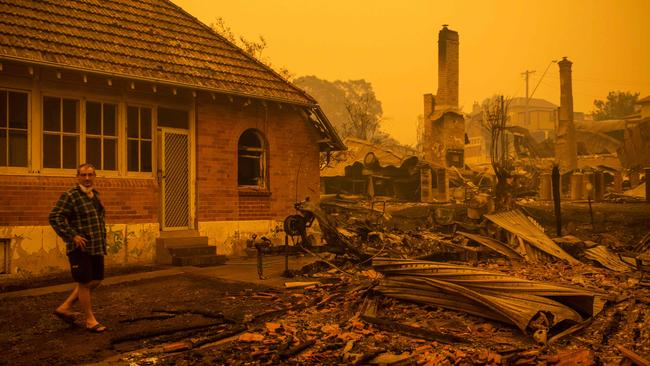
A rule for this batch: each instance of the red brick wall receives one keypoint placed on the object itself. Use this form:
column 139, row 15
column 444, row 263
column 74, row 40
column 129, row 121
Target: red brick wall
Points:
column 27, row 200
column 293, row 157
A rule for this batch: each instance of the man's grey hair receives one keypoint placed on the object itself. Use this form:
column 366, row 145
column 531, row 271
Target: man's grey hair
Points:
column 84, row 165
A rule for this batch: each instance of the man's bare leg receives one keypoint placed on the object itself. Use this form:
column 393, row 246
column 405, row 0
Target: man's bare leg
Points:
column 85, row 303
column 66, row 306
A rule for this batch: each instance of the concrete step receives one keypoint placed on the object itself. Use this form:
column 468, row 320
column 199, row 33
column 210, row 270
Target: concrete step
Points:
column 179, row 233
column 199, row 260
column 164, row 246
column 194, row 250
column 183, row 241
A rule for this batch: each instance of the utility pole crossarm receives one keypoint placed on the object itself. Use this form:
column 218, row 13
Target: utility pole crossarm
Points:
column 526, row 75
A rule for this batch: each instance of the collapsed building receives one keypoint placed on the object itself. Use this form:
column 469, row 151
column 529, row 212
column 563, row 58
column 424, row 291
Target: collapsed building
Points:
column 372, row 170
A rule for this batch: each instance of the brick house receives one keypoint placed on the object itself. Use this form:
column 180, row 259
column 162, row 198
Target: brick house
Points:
column 187, row 131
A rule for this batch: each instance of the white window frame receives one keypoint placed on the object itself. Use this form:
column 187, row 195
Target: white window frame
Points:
column 20, row 169
column 125, row 149
column 101, row 136
column 78, row 133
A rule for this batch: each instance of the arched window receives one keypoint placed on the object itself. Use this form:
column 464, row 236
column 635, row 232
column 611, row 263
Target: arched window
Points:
column 251, row 160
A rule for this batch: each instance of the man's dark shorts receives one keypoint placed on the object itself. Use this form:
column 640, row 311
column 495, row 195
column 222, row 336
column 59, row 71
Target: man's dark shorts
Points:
column 85, row 267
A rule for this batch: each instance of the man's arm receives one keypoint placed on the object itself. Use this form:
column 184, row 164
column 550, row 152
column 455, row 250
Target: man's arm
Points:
column 59, row 218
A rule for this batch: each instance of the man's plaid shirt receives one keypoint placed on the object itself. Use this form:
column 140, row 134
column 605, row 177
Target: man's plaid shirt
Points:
column 76, row 214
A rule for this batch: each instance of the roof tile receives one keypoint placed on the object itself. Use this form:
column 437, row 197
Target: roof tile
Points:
column 141, row 39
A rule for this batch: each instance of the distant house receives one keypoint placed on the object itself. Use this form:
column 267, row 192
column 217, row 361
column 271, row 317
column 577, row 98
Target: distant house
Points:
column 540, row 124
column 187, row 131
column 541, row 120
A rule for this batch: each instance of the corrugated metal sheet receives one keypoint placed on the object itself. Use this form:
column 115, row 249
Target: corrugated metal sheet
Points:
column 608, row 259
column 493, row 244
column 527, row 231
column 489, row 294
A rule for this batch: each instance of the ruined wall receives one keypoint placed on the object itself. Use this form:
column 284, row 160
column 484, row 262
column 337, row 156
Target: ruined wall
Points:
column 448, row 60
column 224, row 211
column 566, row 148
column 444, row 125
column 444, row 135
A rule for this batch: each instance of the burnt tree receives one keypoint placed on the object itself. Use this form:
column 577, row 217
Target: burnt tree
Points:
column 495, row 116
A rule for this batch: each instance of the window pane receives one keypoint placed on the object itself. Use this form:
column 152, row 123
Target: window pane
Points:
column 51, row 114
column 18, row 110
column 70, row 116
column 70, row 152
column 94, row 152
column 132, row 156
column 145, row 152
column 248, row 171
column 173, row 118
column 250, row 139
column 18, row 148
column 3, row 109
column 132, row 125
column 110, row 154
column 3, row 147
column 145, row 123
column 110, row 119
column 51, row 151
column 93, row 118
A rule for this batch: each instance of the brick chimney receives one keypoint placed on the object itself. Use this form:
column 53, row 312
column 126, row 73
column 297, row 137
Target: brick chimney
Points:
column 566, row 149
column 447, row 68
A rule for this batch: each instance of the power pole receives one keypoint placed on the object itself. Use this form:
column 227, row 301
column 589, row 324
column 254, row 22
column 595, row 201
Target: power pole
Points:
column 526, row 75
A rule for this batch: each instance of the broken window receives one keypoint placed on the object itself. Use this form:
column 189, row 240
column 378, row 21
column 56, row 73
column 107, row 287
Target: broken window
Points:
column 101, row 135
column 13, row 128
column 455, row 157
column 251, row 160
column 138, row 136
column 60, row 133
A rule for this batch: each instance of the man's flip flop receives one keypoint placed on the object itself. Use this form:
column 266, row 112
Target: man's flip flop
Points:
column 97, row 328
column 67, row 318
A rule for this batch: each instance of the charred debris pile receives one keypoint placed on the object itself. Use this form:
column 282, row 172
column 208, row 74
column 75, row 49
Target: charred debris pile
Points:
column 426, row 284
column 514, row 294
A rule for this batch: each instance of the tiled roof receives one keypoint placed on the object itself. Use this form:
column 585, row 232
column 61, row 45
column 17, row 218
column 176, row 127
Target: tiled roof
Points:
column 151, row 40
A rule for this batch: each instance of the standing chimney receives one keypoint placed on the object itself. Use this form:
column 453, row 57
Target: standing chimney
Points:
column 566, row 149
column 447, row 68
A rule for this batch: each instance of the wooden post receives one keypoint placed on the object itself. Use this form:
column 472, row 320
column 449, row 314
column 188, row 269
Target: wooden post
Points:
column 647, row 184
column 555, row 178
column 618, row 182
column 545, row 190
column 576, row 186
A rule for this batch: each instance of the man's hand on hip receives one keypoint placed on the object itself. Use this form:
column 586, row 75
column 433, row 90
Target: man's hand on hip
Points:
column 79, row 241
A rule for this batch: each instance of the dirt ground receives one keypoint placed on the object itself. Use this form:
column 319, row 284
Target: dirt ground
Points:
column 34, row 336
column 198, row 318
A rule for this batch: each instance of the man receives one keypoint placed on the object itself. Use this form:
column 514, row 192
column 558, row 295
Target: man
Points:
column 78, row 218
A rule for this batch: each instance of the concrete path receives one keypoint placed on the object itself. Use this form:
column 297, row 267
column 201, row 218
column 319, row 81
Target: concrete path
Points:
column 236, row 269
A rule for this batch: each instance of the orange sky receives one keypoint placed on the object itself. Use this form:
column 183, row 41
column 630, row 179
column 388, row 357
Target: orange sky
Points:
column 393, row 44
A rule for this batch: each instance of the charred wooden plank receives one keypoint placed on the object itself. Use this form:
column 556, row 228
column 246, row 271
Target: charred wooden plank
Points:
column 422, row 333
column 158, row 332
